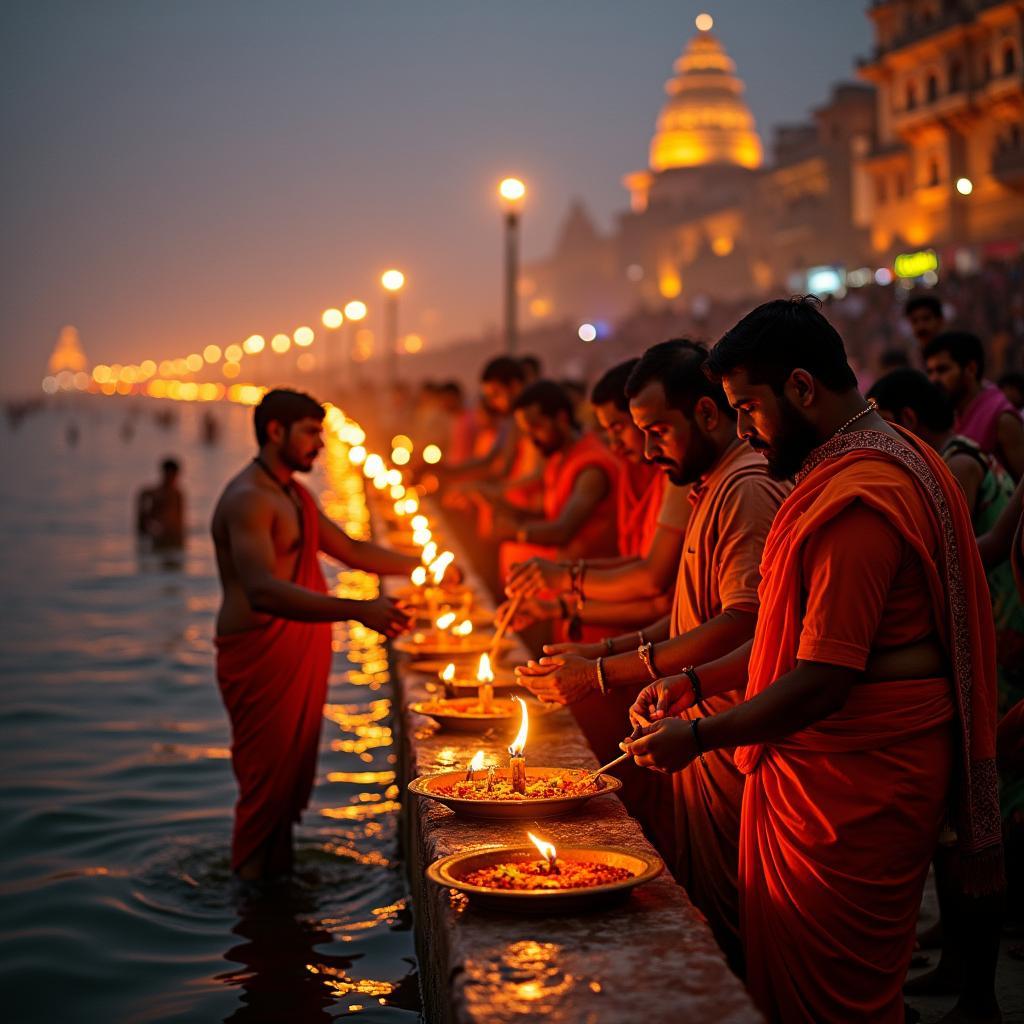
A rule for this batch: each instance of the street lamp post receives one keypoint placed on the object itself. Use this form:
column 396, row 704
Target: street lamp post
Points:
column 392, row 282
column 354, row 312
column 511, row 191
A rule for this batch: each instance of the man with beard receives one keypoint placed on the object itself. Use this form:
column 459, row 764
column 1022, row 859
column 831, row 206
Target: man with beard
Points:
column 924, row 315
column 956, row 362
column 873, row 649
column 273, row 628
column 628, row 590
column 690, row 432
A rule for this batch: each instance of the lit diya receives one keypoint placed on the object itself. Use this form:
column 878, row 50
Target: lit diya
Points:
column 470, row 714
column 515, row 792
column 457, row 678
column 573, row 878
column 451, row 637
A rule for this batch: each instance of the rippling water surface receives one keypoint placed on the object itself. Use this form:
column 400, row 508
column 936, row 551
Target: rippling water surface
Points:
column 115, row 814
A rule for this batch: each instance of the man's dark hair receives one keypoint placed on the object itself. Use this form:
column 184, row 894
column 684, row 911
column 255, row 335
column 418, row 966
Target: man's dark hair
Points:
column 780, row 336
column 169, row 466
column 930, row 302
column 285, row 407
column 911, row 389
column 531, row 364
column 679, row 366
column 547, row 395
column 504, row 370
column 611, row 387
column 961, row 346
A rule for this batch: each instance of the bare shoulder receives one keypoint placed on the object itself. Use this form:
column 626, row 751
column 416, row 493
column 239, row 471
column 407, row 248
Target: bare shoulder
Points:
column 244, row 497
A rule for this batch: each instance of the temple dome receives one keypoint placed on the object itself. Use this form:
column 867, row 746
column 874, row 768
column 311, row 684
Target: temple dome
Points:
column 705, row 119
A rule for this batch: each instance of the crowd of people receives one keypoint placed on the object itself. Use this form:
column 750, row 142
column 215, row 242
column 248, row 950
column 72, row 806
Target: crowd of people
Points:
column 799, row 608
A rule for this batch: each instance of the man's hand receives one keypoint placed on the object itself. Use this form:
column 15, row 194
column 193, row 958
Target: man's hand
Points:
column 385, row 615
column 565, row 679
column 664, row 698
column 530, row 610
column 666, row 746
column 533, row 576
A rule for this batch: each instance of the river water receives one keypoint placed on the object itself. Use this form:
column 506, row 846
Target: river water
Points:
column 115, row 815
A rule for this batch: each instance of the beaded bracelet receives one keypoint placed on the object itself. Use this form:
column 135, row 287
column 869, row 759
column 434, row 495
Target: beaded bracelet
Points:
column 698, row 693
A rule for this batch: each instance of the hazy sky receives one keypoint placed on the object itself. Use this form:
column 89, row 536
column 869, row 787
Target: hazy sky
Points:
column 180, row 172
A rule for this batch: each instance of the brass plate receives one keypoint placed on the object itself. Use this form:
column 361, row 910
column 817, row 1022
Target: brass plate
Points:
column 451, row 872
column 471, row 646
column 516, row 810
column 448, row 715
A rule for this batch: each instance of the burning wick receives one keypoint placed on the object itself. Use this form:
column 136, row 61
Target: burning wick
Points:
column 429, row 552
column 517, row 752
column 444, row 622
column 476, row 765
column 463, row 629
column 547, row 851
column 485, row 677
column 447, row 676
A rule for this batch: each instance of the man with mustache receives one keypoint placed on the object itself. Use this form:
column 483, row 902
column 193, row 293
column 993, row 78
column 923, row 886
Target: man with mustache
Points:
column 274, row 626
column 871, row 674
column 690, row 432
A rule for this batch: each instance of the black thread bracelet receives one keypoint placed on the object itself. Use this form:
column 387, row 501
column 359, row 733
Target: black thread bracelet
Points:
column 691, row 673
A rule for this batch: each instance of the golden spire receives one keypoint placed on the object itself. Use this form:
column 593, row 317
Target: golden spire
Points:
column 67, row 353
column 705, row 119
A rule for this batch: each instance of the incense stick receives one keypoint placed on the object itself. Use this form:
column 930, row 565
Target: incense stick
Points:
column 605, row 767
column 504, row 624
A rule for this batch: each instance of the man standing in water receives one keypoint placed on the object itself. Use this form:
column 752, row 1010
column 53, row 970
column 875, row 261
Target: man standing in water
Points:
column 160, row 510
column 273, row 627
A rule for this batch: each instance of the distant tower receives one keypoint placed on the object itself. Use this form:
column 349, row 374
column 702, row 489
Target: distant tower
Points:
column 705, row 121
column 67, row 353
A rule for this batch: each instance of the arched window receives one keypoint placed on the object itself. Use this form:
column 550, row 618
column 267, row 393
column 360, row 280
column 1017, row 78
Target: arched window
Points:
column 1009, row 59
column 933, row 172
column 933, row 88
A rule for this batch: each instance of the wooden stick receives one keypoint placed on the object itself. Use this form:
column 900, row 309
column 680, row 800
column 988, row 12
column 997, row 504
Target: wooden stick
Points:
column 504, row 624
column 605, row 767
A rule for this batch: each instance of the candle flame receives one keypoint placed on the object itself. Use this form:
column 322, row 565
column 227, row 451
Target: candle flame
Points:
column 519, row 743
column 421, row 537
column 420, row 522
column 464, row 628
column 477, row 764
column 547, row 850
column 429, row 552
column 448, row 673
column 419, row 575
column 445, row 620
column 484, row 673
column 439, row 565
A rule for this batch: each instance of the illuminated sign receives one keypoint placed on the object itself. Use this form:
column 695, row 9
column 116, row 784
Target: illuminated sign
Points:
column 914, row 264
column 826, row 280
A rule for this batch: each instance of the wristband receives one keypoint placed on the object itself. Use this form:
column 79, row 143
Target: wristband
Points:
column 646, row 655
column 696, row 739
column 691, row 673
column 602, row 685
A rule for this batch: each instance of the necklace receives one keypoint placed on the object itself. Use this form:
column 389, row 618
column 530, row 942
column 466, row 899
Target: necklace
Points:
column 853, row 419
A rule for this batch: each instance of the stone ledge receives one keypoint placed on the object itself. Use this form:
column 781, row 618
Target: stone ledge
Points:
column 652, row 958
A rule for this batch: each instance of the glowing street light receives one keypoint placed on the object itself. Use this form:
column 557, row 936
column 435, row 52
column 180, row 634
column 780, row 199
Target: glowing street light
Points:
column 253, row 344
column 392, row 282
column 511, row 191
column 355, row 310
column 332, row 318
column 964, row 186
column 303, row 336
column 587, row 332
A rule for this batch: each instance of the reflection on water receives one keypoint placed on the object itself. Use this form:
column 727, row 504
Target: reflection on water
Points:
column 115, row 818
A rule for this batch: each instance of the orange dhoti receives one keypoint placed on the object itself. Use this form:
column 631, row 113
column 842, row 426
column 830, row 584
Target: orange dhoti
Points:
column 273, row 680
column 840, row 819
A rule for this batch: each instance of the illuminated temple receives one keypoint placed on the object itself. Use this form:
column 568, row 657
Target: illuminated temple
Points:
column 875, row 173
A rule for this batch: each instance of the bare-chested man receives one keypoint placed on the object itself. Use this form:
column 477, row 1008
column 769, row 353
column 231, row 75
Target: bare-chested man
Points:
column 273, row 627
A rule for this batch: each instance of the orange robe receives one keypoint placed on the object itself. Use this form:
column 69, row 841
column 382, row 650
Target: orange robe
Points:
column 873, row 548
column 273, row 680
column 640, row 493
column 734, row 506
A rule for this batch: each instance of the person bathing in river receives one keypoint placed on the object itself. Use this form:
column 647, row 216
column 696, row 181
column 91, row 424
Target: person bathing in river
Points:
column 160, row 510
column 274, row 626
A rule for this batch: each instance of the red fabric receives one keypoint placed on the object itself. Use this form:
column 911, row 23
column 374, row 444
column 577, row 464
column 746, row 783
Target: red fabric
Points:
column 597, row 537
column 273, row 680
column 640, row 492
column 839, row 820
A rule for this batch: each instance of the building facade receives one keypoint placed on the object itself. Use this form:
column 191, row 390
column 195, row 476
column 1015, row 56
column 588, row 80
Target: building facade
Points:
column 925, row 153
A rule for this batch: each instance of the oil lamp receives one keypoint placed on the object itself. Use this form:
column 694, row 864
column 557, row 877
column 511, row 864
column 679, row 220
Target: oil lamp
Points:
column 547, row 851
column 517, row 752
